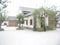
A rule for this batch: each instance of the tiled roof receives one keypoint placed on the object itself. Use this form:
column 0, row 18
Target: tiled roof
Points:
column 12, row 18
column 26, row 10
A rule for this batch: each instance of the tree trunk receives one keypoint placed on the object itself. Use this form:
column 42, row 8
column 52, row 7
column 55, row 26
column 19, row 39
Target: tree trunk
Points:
column 44, row 28
column 34, row 28
column 22, row 26
column 19, row 26
column 44, row 25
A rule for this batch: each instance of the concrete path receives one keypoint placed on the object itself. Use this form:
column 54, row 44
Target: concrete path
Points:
column 26, row 37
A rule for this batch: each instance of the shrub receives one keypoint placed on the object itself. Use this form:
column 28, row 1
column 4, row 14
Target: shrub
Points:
column 49, row 28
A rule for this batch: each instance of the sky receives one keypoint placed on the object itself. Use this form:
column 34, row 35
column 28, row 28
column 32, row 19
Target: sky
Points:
column 14, row 5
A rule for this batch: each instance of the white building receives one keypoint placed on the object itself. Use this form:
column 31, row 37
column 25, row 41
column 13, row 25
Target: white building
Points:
column 58, row 18
column 29, row 22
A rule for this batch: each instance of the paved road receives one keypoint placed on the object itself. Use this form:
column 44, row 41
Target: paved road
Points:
column 25, row 37
column 58, row 29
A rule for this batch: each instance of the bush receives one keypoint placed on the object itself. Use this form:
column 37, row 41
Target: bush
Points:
column 49, row 28
column 39, row 29
column 42, row 29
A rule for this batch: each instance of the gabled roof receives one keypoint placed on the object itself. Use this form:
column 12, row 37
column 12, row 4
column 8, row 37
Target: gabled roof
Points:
column 26, row 10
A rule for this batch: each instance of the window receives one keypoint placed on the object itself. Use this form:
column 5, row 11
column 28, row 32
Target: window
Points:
column 30, row 21
column 26, row 22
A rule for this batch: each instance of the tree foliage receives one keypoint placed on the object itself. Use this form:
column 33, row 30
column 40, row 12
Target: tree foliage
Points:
column 20, row 18
column 2, row 18
column 36, row 14
column 3, row 5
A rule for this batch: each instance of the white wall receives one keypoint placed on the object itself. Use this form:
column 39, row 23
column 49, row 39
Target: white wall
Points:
column 58, row 24
column 31, row 17
column 46, row 21
column 28, row 18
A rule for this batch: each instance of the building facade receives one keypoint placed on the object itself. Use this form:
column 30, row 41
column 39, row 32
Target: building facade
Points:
column 58, row 19
column 29, row 20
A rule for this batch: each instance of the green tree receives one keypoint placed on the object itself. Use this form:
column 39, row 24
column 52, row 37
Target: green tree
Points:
column 3, row 5
column 20, row 20
column 35, row 14
column 51, row 14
